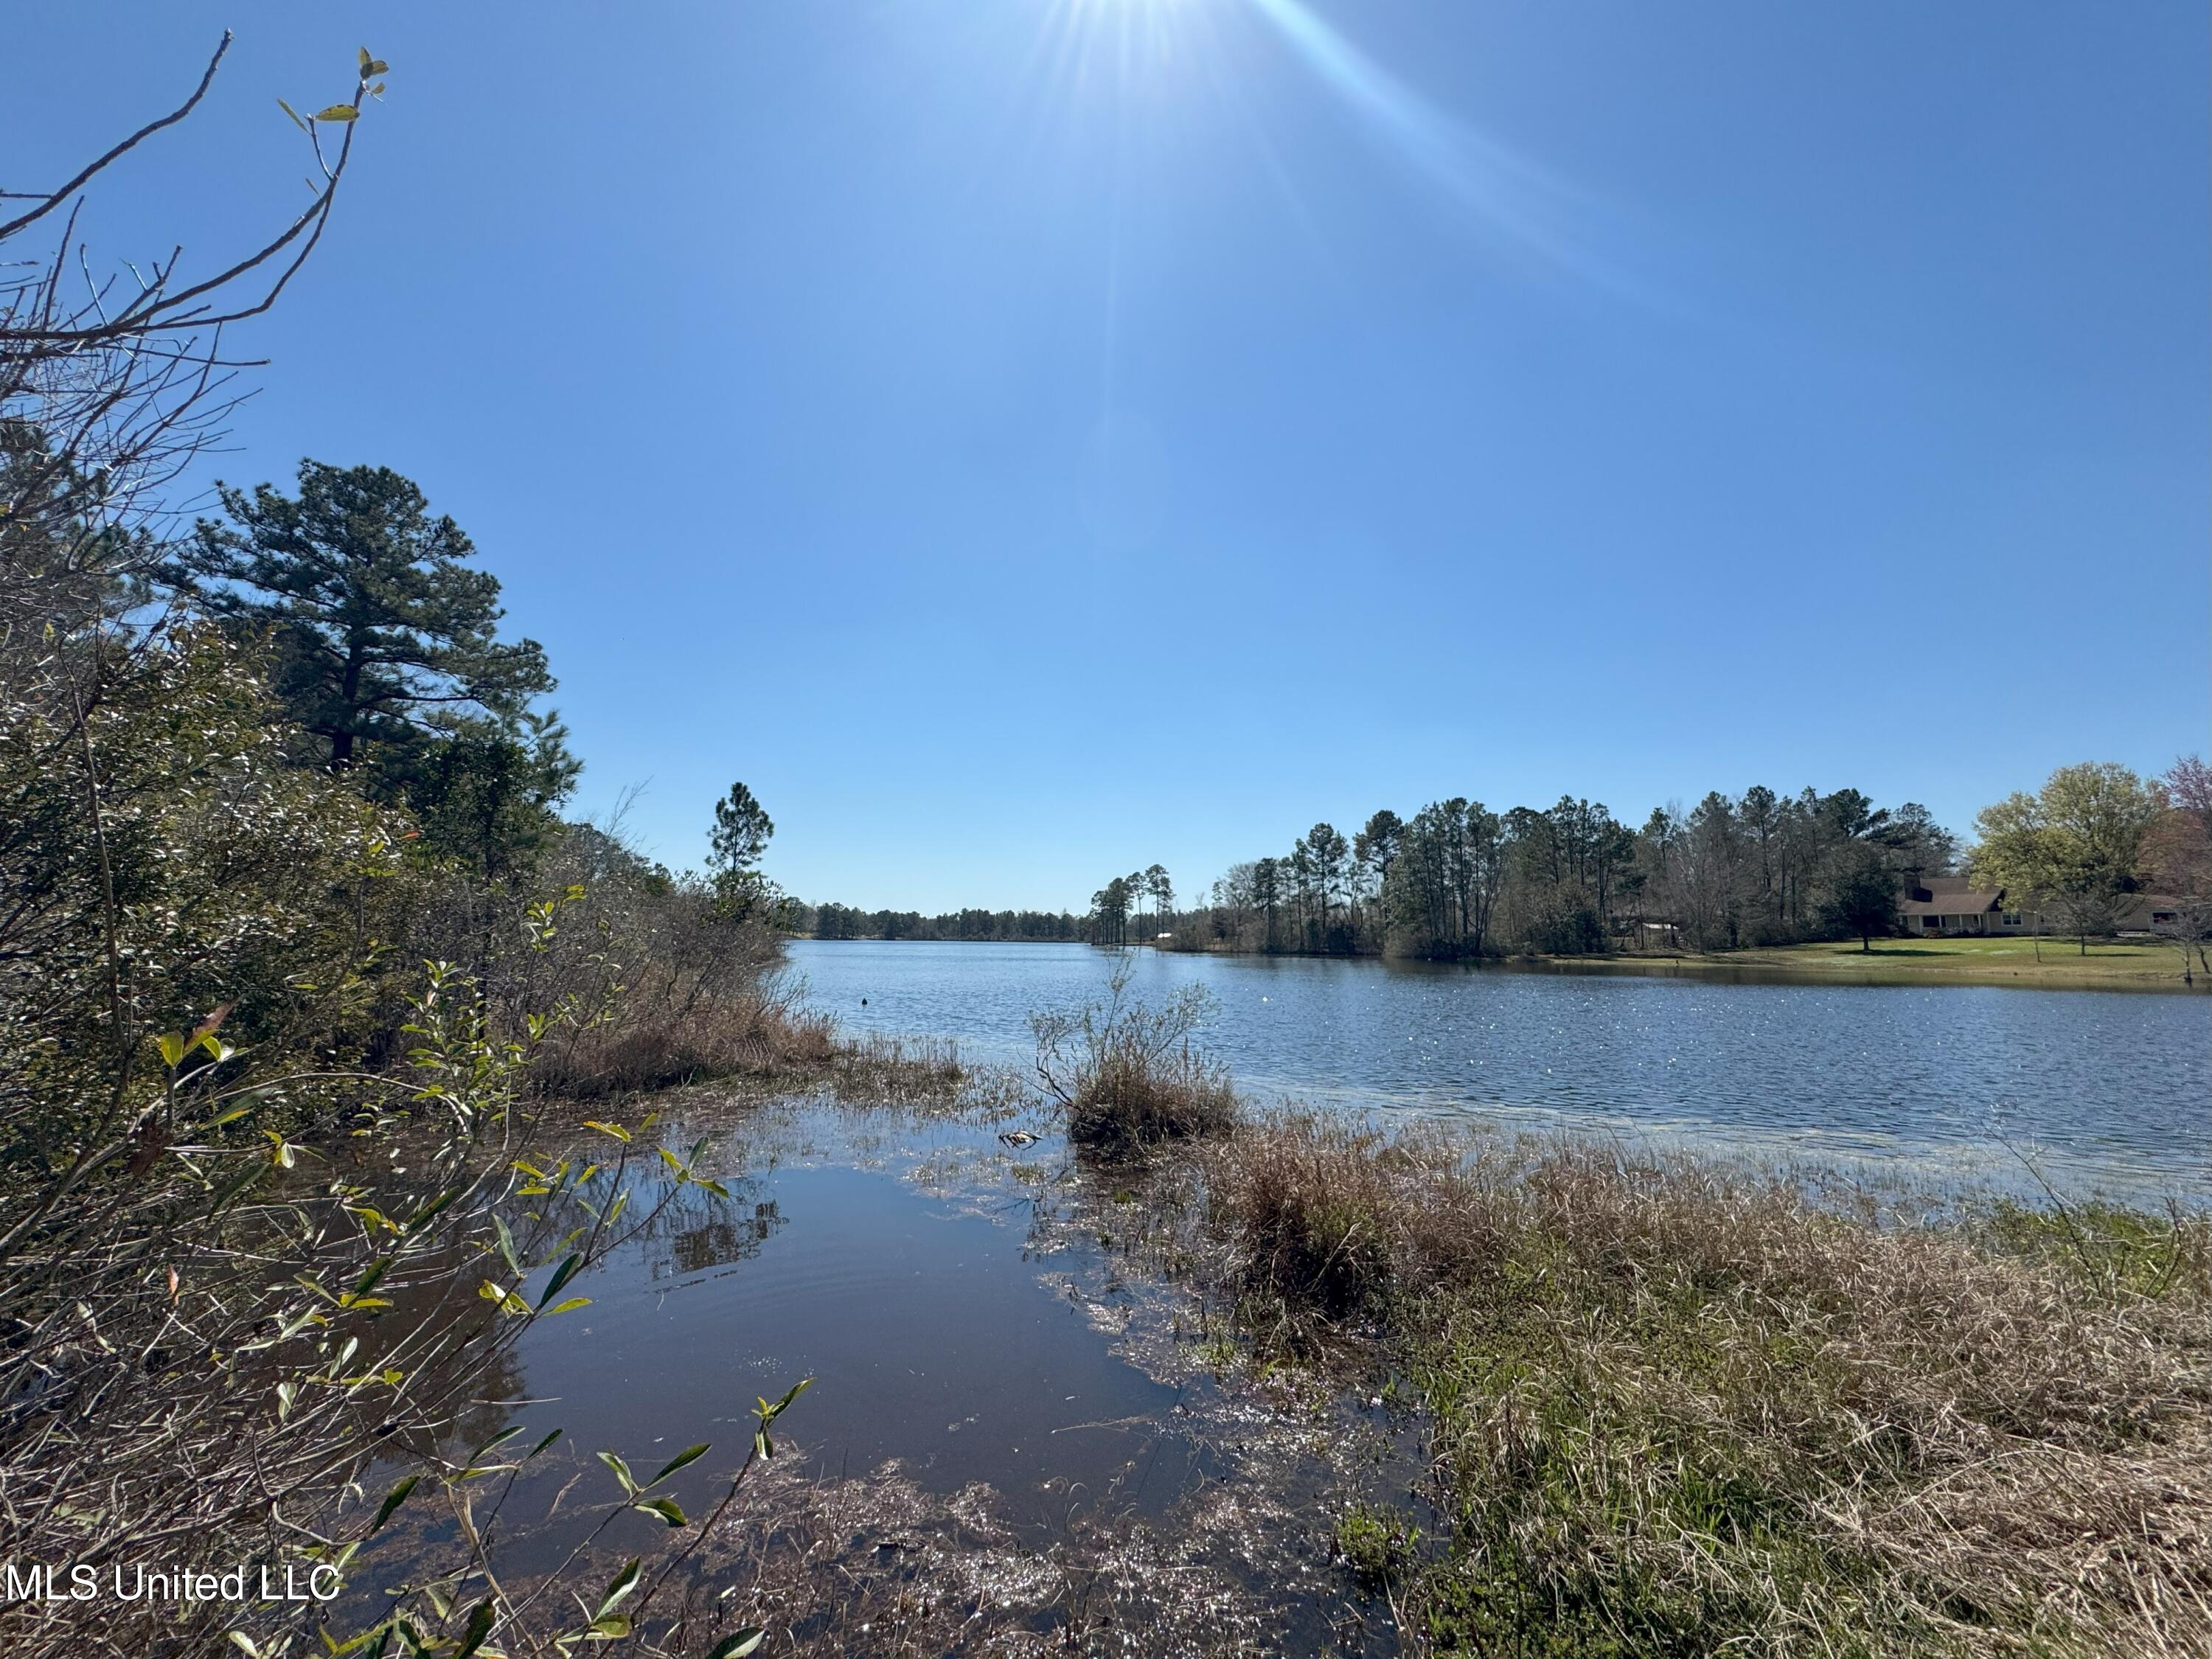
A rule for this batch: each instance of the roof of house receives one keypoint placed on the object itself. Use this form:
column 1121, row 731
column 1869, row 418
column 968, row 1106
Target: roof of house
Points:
column 1949, row 896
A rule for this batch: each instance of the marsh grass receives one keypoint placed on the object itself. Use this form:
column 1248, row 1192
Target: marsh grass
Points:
column 762, row 1032
column 1679, row 1407
column 1126, row 1074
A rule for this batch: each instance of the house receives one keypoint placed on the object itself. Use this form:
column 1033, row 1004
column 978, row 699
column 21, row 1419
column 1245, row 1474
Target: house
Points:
column 1952, row 904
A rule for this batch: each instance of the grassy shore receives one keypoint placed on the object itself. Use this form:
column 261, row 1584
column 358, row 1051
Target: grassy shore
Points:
column 2109, row 964
column 1678, row 1406
column 1675, row 1407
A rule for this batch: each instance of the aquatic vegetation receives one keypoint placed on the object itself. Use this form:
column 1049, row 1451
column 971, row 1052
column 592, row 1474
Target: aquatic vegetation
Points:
column 1126, row 1074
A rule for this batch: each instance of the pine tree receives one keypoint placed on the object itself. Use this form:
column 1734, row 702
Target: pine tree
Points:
column 381, row 624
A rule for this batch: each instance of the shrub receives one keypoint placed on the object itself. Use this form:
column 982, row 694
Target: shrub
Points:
column 1126, row 1074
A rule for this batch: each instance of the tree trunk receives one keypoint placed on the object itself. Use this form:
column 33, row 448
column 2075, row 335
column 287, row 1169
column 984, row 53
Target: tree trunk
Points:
column 349, row 690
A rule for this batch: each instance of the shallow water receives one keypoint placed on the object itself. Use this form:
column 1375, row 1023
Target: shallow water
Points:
column 998, row 1416
column 2093, row 1090
column 921, row 1300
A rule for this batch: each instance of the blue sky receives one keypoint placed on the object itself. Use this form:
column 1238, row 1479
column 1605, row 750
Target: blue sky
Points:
column 1025, row 439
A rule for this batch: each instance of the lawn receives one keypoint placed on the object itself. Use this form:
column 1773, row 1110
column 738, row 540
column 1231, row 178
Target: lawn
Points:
column 2116, row 963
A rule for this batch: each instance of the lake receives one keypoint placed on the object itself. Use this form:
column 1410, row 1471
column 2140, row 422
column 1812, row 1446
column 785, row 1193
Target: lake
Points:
column 1019, row 1430
column 2098, row 1090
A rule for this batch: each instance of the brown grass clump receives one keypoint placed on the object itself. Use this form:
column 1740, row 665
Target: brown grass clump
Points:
column 758, row 1030
column 1134, row 1101
column 1126, row 1074
column 1679, row 1406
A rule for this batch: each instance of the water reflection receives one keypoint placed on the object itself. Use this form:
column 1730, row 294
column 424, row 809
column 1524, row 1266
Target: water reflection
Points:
column 941, row 1353
column 717, row 1242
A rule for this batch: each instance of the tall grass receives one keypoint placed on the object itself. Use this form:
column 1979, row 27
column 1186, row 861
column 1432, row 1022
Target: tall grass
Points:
column 1679, row 1407
column 1127, row 1073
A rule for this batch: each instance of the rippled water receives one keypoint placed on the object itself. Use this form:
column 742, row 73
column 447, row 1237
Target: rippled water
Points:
column 2096, row 1089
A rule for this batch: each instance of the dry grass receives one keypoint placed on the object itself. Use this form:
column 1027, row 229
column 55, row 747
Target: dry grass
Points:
column 1126, row 1074
column 1134, row 1100
column 758, row 1030
column 1678, row 1407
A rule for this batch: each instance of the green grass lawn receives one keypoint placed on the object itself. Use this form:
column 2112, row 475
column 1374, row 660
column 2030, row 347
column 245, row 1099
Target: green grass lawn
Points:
column 2051, row 960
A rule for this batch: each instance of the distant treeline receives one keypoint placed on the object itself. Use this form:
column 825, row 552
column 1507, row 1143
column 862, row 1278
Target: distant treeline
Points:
column 845, row 922
column 1458, row 879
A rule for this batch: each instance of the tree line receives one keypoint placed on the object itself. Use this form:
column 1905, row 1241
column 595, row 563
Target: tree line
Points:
column 1459, row 880
column 833, row 921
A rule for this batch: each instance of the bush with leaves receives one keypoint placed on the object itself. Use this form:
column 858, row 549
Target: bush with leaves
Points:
column 241, row 1268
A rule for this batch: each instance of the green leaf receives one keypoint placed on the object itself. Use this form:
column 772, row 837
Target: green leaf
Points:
column 172, row 1050
column 622, row 1471
column 541, row 1445
column 506, row 1245
column 666, row 1508
column 769, row 1413
column 367, row 1280
column 429, row 1212
column 689, row 1454
column 569, row 1306
column 392, row 1500
column 623, row 1583
column 244, row 1642
column 614, row 1129
column 339, row 113
column 366, row 60
column 738, row 1643
column 302, row 126
column 561, row 1276
column 479, row 1626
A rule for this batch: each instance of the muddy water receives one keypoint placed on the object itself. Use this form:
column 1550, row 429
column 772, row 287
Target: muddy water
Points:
column 2094, row 1089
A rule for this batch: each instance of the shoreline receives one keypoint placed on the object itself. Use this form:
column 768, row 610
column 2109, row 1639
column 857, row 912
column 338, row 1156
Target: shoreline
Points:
column 2007, row 963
